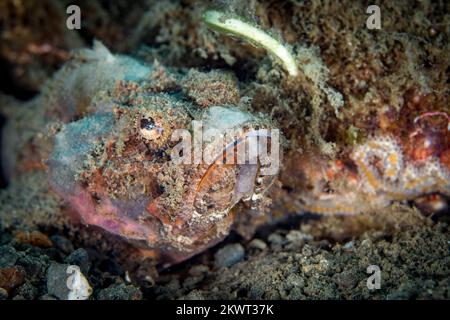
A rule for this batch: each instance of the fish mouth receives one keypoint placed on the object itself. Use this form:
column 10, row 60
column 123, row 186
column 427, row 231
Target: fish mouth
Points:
column 244, row 177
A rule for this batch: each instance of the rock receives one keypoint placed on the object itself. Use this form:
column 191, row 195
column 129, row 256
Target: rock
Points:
column 349, row 246
column 26, row 292
column 257, row 244
column 193, row 295
column 120, row 292
column 11, row 278
column 148, row 279
column 346, row 280
column 5, row 238
column 78, row 284
column 80, row 258
column 198, row 270
column 3, row 294
column 62, row 243
column 57, row 281
column 34, row 238
column 229, row 255
column 294, row 280
column 256, row 292
column 296, row 236
column 307, row 250
column 54, row 254
column 66, row 282
column 34, row 266
column 405, row 291
column 191, row 282
column 275, row 239
column 8, row 256
column 169, row 290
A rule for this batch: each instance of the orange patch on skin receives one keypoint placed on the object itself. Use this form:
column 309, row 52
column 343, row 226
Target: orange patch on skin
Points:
column 412, row 184
column 393, row 159
column 149, row 253
column 330, row 174
column 330, row 210
column 421, row 153
column 374, row 145
column 445, row 159
column 152, row 208
column 340, row 165
column 32, row 165
column 390, row 173
column 373, row 181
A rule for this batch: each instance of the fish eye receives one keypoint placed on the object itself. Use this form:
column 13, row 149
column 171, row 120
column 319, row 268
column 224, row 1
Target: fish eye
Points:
column 147, row 123
column 149, row 129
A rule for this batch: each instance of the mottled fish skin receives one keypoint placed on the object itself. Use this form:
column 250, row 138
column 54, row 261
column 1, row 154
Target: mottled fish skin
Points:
column 112, row 166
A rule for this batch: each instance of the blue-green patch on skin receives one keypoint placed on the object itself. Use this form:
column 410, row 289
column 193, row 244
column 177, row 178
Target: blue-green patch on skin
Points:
column 74, row 141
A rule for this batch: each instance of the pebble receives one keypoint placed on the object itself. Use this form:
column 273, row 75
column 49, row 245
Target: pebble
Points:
column 256, row 292
column 3, row 294
column 26, row 292
column 275, row 239
column 11, row 278
column 194, row 295
column 78, row 284
column 198, row 270
column 346, row 280
column 366, row 243
column 349, row 246
column 120, row 292
column 34, row 266
column 295, row 280
column 66, row 282
column 296, row 236
column 307, row 250
column 5, row 238
column 257, row 244
column 57, row 281
column 190, row 282
column 62, row 243
column 229, row 255
column 34, row 238
column 80, row 258
column 8, row 256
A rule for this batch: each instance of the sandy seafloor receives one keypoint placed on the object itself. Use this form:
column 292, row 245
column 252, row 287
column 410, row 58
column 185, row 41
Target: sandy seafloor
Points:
column 300, row 256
